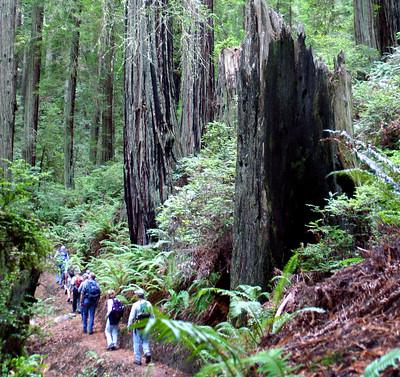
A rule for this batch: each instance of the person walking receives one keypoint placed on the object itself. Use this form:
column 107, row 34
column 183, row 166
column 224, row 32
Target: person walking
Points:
column 141, row 309
column 76, row 282
column 115, row 310
column 90, row 298
column 61, row 257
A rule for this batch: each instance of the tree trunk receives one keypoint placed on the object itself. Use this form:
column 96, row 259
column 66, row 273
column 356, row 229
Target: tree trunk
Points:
column 388, row 20
column 197, row 92
column 286, row 100
column 31, row 85
column 376, row 23
column 150, row 116
column 7, row 80
column 226, row 93
column 107, row 82
column 94, row 135
column 69, row 105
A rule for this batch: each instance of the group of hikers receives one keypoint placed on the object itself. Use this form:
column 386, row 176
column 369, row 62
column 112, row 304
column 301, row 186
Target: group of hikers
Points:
column 83, row 291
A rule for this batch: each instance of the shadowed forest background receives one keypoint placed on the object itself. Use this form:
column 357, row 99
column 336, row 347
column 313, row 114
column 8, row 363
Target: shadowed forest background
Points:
column 238, row 160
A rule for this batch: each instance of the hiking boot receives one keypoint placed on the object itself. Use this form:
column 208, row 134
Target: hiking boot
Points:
column 148, row 358
column 137, row 362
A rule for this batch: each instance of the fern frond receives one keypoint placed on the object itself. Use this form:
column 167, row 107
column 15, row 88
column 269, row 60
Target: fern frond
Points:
column 280, row 321
column 390, row 359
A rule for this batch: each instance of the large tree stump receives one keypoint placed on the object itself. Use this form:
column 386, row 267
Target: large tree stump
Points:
column 286, row 101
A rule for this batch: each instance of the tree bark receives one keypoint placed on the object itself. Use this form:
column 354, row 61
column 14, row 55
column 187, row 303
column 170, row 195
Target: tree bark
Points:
column 69, row 103
column 376, row 23
column 197, row 92
column 226, row 92
column 107, row 82
column 150, row 116
column 31, row 85
column 286, row 101
column 7, row 80
column 94, row 135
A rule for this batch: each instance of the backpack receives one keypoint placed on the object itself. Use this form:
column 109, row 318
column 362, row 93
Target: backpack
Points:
column 117, row 312
column 77, row 284
column 92, row 291
column 144, row 311
column 63, row 255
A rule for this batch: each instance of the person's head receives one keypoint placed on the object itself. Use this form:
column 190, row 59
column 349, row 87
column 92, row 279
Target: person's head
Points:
column 139, row 293
column 62, row 248
column 111, row 293
column 92, row 276
column 85, row 276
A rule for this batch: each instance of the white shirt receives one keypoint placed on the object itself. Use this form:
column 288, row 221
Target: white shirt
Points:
column 110, row 303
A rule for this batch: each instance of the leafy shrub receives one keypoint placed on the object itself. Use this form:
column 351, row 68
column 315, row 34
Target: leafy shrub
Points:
column 24, row 366
column 23, row 249
column 205, row 204
column 377, row 101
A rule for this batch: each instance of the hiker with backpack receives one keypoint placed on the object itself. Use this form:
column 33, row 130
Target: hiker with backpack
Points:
column 70, row 275
column 115, row 311
column 61, row 257
column 76, row 282
column 90, row 298
column 141, row 309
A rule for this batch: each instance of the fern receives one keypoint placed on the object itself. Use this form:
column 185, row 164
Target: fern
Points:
column 284, row 279
column 280, row 321
column 203, row 341
column 243, row 301
column 216, row 349
column 390, row 359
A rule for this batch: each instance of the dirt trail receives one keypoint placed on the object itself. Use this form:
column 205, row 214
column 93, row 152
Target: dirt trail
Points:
column 72, row 353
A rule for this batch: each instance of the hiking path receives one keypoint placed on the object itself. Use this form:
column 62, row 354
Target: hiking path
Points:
column 69, row 352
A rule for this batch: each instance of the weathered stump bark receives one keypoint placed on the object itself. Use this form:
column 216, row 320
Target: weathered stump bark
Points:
column 7, row 79
column 286, row 100
column 226, row 92
column 197, row 91
column 150, row 117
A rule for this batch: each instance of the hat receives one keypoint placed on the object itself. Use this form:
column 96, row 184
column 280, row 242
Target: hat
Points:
column 139, row 292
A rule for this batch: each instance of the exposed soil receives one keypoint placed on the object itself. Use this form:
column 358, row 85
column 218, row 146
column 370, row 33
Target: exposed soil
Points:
column 72, row 353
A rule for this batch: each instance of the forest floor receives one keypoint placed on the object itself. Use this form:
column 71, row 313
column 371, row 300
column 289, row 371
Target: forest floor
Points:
column 361, row 320
column 69, row 352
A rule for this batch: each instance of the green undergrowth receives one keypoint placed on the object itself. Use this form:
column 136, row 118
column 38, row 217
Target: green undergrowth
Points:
column 204, row 204
column 23, row 250
column 377, row 103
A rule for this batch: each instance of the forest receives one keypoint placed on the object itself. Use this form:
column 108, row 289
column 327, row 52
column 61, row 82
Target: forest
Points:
column 237, row 160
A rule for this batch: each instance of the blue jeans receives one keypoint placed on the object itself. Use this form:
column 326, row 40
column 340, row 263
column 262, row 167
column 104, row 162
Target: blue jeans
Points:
column 111, row 334
column 88, row 310
column 60, row 275
column 140, row 341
